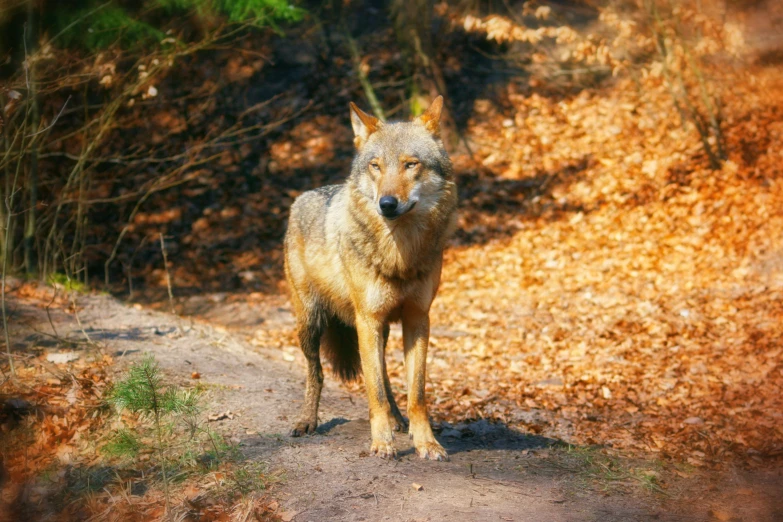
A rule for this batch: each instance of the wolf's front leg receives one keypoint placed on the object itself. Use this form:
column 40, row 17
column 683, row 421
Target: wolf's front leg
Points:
column 415, row 335
column 370, row 332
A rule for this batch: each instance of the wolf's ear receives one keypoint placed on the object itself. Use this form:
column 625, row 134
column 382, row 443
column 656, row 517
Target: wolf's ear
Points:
column 363, row 125
column 431, row 117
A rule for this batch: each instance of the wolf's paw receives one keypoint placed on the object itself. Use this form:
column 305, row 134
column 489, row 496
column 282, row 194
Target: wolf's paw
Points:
column 384, row 450
column 431, row 450
column 303, row 428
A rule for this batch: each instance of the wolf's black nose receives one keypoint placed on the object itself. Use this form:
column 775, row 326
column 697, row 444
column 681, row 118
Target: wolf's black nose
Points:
column 388, row 205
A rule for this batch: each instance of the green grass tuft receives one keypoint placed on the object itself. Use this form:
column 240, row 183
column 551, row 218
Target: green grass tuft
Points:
column 70, row 285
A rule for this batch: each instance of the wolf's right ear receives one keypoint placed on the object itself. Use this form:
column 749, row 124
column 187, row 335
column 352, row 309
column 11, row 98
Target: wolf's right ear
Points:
column 363, row 125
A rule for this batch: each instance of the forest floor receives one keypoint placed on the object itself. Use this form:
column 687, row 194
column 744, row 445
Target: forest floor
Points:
column 606, row 341
column 495, row 471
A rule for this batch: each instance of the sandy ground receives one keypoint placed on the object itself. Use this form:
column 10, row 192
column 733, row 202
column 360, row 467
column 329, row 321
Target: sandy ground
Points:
column 494, row 473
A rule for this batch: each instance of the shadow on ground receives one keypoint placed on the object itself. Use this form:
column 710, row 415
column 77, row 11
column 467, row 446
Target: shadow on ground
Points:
column 462, row 438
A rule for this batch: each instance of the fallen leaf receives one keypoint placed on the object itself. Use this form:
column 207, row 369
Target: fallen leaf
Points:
column 61, row 357
column 288, row 516
column 191, row 491
column 721, row 515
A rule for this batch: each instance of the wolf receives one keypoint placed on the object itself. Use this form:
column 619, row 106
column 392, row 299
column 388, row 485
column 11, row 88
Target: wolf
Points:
column 368, row 252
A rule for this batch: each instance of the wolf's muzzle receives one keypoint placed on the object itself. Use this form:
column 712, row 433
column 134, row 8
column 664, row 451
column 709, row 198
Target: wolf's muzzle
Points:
column 391, row 208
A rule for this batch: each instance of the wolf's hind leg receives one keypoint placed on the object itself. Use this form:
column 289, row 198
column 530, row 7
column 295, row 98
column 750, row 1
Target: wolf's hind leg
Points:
column 400, row 424
column 309, row 339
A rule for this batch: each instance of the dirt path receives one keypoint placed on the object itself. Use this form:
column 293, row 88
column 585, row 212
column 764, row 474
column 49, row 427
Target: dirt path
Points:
column 494, row 473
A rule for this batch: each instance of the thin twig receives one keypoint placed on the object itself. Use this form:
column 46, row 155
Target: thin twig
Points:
column 168, row 277
column 48, row 313
column 78, row 321
column 53, row 121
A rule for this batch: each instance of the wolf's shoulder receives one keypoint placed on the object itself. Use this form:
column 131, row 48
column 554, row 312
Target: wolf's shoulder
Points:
column 318, row 196
column 311, row 206
column 327, row 191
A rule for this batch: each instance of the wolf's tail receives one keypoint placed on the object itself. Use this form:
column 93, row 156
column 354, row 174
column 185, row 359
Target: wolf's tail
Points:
column 340, row 346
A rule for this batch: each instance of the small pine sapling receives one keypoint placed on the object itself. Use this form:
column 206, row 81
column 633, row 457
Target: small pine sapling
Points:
column 143, row 392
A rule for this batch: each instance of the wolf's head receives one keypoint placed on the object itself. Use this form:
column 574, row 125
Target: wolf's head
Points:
column 401, row 167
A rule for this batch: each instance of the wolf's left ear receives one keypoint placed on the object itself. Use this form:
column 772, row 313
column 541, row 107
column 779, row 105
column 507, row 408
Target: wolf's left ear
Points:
column 363, row 125
column 431, row 117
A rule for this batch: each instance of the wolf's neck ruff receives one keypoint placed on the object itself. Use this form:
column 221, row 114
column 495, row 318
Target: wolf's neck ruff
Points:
column 406, row 248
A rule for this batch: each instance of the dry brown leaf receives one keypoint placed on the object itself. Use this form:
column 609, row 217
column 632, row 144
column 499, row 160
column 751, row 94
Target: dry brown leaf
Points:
column 288, row 516
column 719, row 514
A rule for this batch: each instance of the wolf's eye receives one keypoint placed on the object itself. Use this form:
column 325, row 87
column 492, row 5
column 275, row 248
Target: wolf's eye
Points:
column 411, row 164
column 374, row 165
